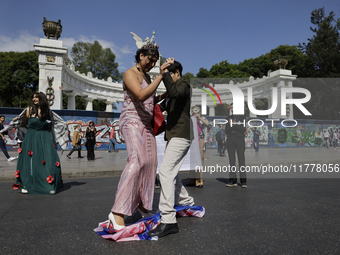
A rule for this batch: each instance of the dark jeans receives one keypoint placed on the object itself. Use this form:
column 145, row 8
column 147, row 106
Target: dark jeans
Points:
column 256, row 144
column 3, row 148
column 221, row 147
column 79, row 152
column 236, row 144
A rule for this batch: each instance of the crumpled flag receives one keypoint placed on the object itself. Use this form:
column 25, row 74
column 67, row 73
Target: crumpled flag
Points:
column 138, row 231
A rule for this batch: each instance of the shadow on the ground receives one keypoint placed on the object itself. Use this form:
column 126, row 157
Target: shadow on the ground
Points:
column 68, row 185
column 224, row 180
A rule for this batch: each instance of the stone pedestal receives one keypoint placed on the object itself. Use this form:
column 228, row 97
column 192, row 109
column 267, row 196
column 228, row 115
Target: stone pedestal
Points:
column 51, row 58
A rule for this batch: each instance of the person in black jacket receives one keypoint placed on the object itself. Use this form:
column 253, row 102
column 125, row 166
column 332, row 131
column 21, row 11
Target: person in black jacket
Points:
column 235, row 130
column 178, row 134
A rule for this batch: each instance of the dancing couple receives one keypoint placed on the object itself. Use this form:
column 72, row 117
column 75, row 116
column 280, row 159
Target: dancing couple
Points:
column 136, row 186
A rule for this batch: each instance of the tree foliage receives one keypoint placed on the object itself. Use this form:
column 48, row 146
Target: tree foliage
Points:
column 91, row 57
column 188, row 76
column 322, row 52
column 256, row 67
column 19, row 78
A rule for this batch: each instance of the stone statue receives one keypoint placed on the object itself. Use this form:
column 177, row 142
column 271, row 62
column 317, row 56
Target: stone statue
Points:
column 52, row 28
column 140, row 43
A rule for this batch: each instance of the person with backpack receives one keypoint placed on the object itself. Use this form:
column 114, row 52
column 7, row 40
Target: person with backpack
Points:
column 76, row 142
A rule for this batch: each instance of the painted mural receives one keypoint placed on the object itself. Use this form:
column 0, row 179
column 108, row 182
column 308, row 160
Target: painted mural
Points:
column 102, row 136
column 103, row 127
column 305, row 134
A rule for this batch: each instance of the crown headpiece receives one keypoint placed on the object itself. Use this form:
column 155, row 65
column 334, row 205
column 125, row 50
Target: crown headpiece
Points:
column 151, row 46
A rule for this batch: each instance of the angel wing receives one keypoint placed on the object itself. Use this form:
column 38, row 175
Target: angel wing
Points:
column 139, row 41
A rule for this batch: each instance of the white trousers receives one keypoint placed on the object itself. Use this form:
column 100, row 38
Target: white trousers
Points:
column 173, row 191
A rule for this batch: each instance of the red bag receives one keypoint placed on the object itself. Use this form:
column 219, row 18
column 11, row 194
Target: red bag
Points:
column 158, row 120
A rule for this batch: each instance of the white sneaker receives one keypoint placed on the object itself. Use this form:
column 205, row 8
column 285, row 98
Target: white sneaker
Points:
column 24, row 191
column 11, row 158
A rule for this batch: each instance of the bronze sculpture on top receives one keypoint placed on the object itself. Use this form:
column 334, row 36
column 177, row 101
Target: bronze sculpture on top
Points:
column 52, row 28
column 280, row 62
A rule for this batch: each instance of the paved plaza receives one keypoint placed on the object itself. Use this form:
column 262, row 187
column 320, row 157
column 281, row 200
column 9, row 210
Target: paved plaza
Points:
column 112, row 164
column 272, row 216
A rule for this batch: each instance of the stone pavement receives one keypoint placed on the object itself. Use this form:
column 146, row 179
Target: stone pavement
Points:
column 112, row 164
column 271, row 216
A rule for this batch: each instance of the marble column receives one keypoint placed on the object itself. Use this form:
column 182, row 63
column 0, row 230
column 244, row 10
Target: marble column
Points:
column 212, row 110
column 71, row 100
column 89, row 103
column 109, row 105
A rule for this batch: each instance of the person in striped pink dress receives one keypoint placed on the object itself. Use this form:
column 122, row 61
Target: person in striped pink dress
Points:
column 136, row 186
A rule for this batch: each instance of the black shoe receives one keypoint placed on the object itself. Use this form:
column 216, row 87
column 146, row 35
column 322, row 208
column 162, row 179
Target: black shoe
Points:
column 231, row 184
column 80, row 157
column 164, row 229
column 117, row 151
column 68, row 156
column 109, row 151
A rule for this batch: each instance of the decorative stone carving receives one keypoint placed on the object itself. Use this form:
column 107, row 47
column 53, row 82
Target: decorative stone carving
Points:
column 51, row 59
column 139, row 41
column 50, row 91
column 52, row 28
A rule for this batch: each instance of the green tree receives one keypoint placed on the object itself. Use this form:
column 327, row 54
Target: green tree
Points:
column 256, row 67
column 322, row 52
column 19, row 78
column 321, row 60
column 203, row 73
column 81, row 103
column 188, row 76
column 91, row 57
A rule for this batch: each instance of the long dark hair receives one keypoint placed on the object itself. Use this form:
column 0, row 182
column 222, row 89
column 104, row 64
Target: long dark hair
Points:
column 43, row 105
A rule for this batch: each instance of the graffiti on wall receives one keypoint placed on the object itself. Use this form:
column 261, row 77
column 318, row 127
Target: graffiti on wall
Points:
column 303, row 135
column 102, row 133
